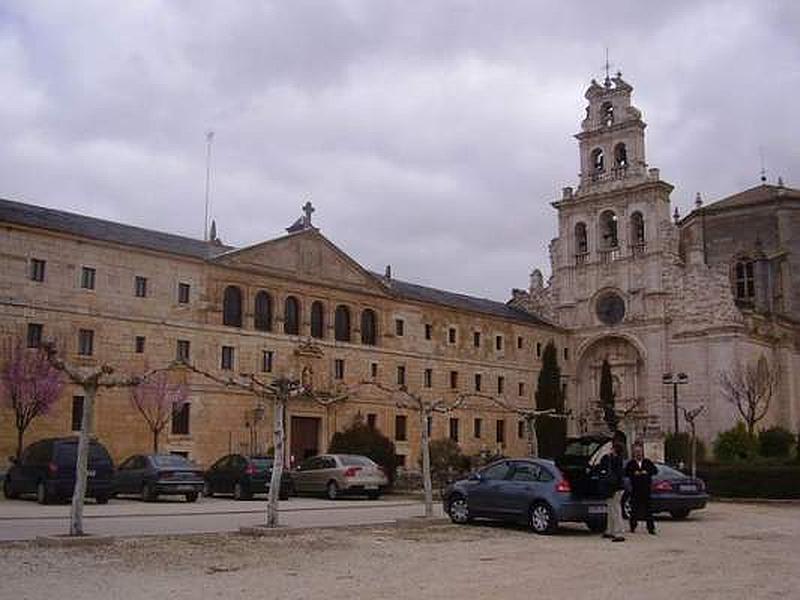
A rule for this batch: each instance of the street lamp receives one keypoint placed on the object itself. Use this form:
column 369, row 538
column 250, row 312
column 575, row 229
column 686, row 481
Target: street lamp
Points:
column 675, row 381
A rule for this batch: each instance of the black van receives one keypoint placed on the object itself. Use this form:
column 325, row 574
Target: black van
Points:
column 47, row 469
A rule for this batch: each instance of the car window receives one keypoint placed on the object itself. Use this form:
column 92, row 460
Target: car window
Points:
column 496, row 471
column 349, row 460
column 262, row 462
column 37, row 454
column 669, row 473
column 307, row 465
column 170, row 461
column 126, row 464
column 238, row 462
column 140, row 463
column 329, row 463
column 525, row 471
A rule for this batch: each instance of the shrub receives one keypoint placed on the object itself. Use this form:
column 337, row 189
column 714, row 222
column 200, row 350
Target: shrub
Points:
column 677, row 449
column 775, row 442
column 447, row 461
column 744, row 480
column 735, row 444
column 360, row 438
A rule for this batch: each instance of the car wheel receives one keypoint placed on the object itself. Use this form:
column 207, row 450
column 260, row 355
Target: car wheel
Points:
column 8, row 492
column 596, row 525
column 239, row 493
column 42, row 497
column 207, row 491
column 102, row 499
column 679, row 514
column 627, row 506
column 542, row 519
column 148, row 494
column 332, row 490
column 191, row 497
column 458, row 509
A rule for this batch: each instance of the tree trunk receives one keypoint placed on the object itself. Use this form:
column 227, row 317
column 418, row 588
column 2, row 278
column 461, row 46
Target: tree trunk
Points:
column 693, row 452
column 533, row 441
column 20, row 434
column 279, row 409
column 155, row 441
column 81, row 471
column 426, row 464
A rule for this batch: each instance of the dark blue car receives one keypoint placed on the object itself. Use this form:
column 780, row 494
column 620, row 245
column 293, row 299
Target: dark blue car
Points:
column 152, row 475
column 47, row 470
column 243, row 476
column 672, row 492
column 526, row 490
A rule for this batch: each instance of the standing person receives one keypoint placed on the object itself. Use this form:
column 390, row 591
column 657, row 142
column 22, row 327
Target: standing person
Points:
column 640, row 471
column 612, row 468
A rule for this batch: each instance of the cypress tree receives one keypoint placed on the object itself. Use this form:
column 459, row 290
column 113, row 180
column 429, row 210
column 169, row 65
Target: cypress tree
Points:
column 607, row 396
column 550, row 432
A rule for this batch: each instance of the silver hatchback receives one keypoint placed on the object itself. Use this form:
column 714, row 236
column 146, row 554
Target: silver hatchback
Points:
column 336, row 475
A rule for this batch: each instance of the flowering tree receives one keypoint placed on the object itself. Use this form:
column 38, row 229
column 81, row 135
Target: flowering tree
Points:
column 156, row 398
column 30, row 387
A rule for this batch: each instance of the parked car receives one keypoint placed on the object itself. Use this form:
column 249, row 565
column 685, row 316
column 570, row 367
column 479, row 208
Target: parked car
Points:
column 152, row 475
column 47, row 469
column 339, row 474
column 673, row 492
column 243, row 476
column 526, row 490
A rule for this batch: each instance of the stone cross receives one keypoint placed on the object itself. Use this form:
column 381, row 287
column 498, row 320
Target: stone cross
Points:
column 308, row 209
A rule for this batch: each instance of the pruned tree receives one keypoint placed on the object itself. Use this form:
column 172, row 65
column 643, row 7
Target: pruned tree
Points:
column 750, row 389
column 607, row 397
column 551, row 432
column 691, row 417
column 156, row 399
column 30, row 387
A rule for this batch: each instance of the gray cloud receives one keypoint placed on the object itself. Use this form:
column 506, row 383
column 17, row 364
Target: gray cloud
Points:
column 431, row 136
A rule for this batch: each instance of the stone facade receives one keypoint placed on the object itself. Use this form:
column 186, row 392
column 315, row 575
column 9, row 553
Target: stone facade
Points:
column 412, row 331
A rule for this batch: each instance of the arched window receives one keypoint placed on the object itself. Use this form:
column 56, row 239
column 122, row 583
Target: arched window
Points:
column 232, row 306
column 745, row 283
column 581, row 241
column 607, row 114
column 262, row 319
column 608, row 230
column 637, row 229
column 598, row 164
column 291, row 316
column 368, row 327
column 317, row 320
column 341, row 324
column 620, row 155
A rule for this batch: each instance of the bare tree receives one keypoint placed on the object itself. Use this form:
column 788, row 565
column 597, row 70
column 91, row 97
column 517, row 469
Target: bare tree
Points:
column 750, row 389
column 691, row 416
column 30, row 386
column 156, row 400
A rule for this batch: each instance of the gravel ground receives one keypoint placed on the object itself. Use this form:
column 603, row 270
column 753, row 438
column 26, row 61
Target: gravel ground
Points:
column 727, row 551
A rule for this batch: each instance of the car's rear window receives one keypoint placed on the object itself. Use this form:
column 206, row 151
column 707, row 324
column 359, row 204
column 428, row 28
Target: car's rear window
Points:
column 262, row 462
column 584, row 448
column 670, row 473
column 172, row 461
column 349, row 460
column 67, row 454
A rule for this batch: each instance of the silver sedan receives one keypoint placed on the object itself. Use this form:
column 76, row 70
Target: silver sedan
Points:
column 339, row 474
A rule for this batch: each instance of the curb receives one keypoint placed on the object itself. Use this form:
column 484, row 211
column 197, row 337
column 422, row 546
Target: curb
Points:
column 768, row 501
column 283, row 530
column 72, row 541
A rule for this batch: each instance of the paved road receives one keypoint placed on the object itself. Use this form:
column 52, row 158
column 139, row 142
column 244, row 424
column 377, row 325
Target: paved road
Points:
column 25, row 519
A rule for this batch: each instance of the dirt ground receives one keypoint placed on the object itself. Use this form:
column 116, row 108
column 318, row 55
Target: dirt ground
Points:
column 727, row 551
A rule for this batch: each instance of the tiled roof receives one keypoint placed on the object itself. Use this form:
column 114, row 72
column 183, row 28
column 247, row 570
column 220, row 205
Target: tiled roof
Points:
column 106, row 231
column 412, row 291
column 755, row 195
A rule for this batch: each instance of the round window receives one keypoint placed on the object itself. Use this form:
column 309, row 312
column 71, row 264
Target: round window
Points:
column 610, row 309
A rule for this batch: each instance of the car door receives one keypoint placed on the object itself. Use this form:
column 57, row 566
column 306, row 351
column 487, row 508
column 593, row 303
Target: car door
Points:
column 22, row 472
column 122, row 478
column 303, row 474
column 524, row 484
column 138, row 474
column 483, row 491
column 34, row 465
column 214, row 475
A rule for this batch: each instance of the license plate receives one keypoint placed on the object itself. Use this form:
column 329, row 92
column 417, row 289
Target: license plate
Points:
column 91, row 472
column 598, row 509
column 370, row 487
column 688, row 487
column 185, row 488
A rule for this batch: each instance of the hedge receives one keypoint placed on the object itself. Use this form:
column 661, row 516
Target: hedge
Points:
column 745, row 480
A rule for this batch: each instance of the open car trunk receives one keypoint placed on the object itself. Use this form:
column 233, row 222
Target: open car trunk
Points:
column 580, row 464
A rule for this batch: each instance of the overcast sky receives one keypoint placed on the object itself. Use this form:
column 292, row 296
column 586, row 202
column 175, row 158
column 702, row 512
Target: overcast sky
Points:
column 430, row 135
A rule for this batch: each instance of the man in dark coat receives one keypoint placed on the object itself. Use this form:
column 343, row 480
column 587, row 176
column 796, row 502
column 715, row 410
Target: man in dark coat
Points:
column 640, row 471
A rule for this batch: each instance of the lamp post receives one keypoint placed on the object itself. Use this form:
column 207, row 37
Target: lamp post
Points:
column 675, row 381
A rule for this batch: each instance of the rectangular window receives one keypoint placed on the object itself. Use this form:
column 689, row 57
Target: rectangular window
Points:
column 139, row 344
column 400, row 428
column 428, row 378
column 182, row 351
column 501, row 431
column 401, row 460
column 501, row 385
column 37, row 269
column 478, row 381
column 372, row 420
column 498, row 342
column 520, row 429
column 140, row 287
column 476, row 339
column 520, row 342
column 34, row 335
column 183, row 293
column 338, row 368
column 77, row 412
column 454, row 429
column 87, row 278
column 566, row 353
column 399, row 327
column 266, row 361
column 453, row 379
column 226, row 364
column 521, row 388
column 451, row 335
column 430, row 426
column 85, row 342
column 477, row 424
column 401, row 375
column 180, row 418
column 538, row 349
column 428, row 331
column 373, row 370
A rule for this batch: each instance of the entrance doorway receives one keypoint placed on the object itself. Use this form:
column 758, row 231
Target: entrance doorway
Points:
column 304, row 438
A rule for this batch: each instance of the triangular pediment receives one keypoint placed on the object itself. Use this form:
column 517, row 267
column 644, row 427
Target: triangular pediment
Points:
column 307, row 256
